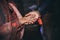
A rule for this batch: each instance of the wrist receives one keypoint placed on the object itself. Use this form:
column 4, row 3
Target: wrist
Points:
column 21, row 21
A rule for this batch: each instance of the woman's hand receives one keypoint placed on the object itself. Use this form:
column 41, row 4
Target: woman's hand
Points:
column 33, row 15
column 27, row 20
column 30, row 18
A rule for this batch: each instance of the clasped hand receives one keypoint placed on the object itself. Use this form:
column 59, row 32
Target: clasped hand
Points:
column 30, row 17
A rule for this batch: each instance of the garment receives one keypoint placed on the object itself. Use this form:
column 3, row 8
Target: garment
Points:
column 4, row 34
column 51, row 25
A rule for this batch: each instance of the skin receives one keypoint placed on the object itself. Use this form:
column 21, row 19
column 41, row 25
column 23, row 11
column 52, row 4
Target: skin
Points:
column 29, row 18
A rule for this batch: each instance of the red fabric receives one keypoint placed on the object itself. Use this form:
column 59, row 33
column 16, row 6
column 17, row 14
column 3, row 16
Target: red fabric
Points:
column 14, row 24
column 40, row 21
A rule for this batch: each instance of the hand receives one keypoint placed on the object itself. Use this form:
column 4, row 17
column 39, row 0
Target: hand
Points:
column 33, row 15
column 27, row 20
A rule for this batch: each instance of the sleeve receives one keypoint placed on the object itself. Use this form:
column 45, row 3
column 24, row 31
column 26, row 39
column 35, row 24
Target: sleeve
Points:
column 45, row 6
column 30, row 5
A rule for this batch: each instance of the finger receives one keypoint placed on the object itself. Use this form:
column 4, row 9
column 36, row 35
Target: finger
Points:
column 26, row 23
column 34, row 20
column 27, row 15
column 16, row 11
column 30, row 22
